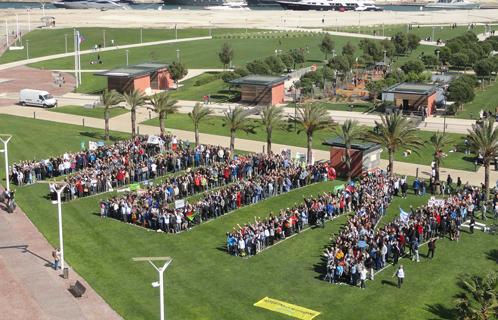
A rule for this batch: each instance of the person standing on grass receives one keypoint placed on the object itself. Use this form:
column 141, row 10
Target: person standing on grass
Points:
column 472, row 224
column 363, row 277
column 415, row 255
column 432, row 248
column 400, row 274
column 56, row 254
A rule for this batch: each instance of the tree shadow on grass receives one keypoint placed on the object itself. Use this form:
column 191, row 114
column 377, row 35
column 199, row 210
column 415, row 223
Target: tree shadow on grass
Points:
column 442, row 312
column 493, row 255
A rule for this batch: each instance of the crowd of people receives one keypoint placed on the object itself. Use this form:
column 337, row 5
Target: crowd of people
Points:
column 242, row 181
column 253, row 237
column 360, row 249
column 106, row 167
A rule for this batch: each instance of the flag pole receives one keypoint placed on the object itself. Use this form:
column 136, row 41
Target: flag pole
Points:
column 75, row 58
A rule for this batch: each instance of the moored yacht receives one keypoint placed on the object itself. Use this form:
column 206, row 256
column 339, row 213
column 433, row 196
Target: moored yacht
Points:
column 453, row 4
column 91, row 4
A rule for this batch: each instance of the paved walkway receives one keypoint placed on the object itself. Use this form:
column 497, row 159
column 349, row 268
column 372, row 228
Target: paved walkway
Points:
column 122, row 123
column 71, row 54
column 31, row 288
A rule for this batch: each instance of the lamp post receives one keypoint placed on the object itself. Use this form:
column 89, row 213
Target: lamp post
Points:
column 176, row 32
column 65, row 41
column 27, row 49
column 5, row 138
column 160, row 270
column 438, row 62
column 178, row 55
column 43, row 8
column 126, row 56
column 433, row 32
column 6, row 34
column 29, row 19
column 103, row 36
column 141, row 35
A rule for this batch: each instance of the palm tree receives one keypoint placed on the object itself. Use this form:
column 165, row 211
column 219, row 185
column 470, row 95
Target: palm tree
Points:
column 237, row 119
column 439, row 140
column 271, row 117
column 110, row 100
column 135, row 99
column 198, row 114
column 312, row 118
column 483, row 141
column 162, row 105
column 480, row 299
column 395, row 132
column 348, row 132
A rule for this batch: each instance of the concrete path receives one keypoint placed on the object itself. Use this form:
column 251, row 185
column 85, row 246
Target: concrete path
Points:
column 31, row 288
column 71, row 54
column 122, row 123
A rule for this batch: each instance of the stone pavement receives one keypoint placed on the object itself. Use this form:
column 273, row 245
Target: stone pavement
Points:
column 123, row 123
column 30, row 288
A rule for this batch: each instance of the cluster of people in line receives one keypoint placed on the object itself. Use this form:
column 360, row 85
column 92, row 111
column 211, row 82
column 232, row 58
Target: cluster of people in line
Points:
column 360, row 250
column 111, row 166
column 250, row 179
column 253, row 237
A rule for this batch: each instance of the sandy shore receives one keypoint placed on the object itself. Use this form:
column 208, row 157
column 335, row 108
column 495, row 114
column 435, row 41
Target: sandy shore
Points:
column 241, row 19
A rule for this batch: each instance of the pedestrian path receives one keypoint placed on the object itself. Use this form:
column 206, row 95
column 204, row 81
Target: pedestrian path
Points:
column 32, row 289
column 122, row 123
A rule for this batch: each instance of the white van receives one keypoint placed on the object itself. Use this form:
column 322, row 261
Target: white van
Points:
column 36, row 98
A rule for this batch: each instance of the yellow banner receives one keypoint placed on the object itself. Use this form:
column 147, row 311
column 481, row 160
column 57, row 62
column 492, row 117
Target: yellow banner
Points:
column 286, row 308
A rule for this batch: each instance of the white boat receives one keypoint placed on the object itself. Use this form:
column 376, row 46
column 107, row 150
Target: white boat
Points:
column 91, row 4
column 453, row 4
column 228, row 6
column 367, row 6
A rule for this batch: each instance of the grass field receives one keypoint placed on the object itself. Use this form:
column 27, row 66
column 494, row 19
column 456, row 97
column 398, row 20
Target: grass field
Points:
column 342, row 106
column 217, row 89
column 214, row 125
column 97, row 112
column 440, row 32
column 39, row 139
column 486, row 99
column 204, row 282
column 52, row 41
column 245, row 50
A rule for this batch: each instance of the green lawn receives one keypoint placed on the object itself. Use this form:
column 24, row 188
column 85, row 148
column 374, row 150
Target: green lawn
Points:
column 245, row 50
column 97, row 112
column 52, row 41
column 340, row 106
column 440, row 32
column 39, row 139
column 484, row 100
column 214, row 125
column 217, row 89
column 204, row 282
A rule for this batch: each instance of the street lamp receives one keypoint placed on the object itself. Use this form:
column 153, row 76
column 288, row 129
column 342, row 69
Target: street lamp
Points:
column 126, row 56
column 29, row 19
column 65, row 41
column 167, row 261
column 141, row 34
column 59, row 188
column 5, row 138
column 103, row 36
column 437, row 55
column 433, row 32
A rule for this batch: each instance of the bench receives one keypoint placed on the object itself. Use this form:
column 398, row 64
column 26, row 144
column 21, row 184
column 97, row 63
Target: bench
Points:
column 78, row 289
